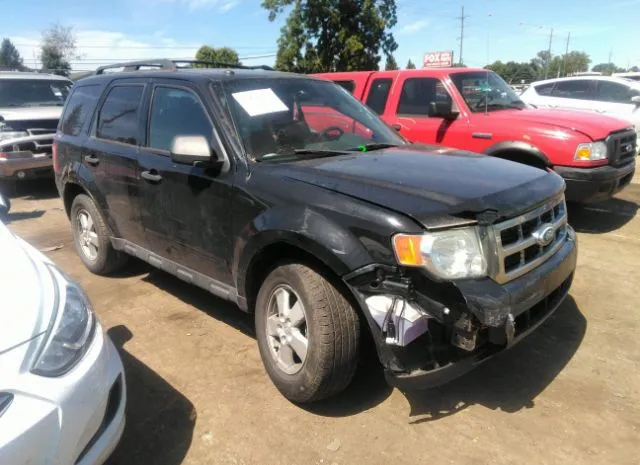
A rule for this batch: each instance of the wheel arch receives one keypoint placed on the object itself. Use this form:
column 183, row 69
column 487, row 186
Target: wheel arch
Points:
column 520, row 152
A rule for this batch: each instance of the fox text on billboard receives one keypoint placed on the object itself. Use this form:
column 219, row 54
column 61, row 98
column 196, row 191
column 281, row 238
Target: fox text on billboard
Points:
column 438, row 59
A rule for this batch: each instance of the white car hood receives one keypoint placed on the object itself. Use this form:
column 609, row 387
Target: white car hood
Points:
column 26, row 291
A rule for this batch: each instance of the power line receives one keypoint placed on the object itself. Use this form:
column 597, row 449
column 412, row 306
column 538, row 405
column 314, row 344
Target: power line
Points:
column 150, row 47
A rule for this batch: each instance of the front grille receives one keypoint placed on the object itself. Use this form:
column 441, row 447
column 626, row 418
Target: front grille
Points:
column 622, row 147
column 527, row 241
column 34, row 144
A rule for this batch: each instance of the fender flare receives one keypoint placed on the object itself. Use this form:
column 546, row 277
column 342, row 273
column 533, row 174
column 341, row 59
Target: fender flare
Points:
column 334, row 246
column 517, row 146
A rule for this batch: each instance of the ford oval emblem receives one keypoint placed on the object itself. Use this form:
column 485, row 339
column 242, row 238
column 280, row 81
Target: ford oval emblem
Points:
column 544, row 235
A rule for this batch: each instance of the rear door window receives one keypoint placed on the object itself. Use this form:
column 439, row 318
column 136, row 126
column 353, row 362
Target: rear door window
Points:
column 348, row 85
column 118, row 117
column 545, row 89
column 379, row 94
column 79, row 108
column 580, row 89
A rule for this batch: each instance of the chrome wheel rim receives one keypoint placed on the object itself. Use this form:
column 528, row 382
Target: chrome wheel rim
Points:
column 87, row 235
column 286, row 329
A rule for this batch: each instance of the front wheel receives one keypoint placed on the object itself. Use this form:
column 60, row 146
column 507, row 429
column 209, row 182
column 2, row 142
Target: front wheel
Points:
column 307, row 332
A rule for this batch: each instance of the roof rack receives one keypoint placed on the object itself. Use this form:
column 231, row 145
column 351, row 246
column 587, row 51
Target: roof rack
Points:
column 165, row 64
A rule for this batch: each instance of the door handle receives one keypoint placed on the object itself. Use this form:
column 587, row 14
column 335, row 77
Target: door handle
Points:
column 397, row 127
column 600, row 110
column 91, row 159
column 151, row 176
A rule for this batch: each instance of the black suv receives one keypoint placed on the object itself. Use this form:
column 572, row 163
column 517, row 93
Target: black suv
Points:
column 284, row 194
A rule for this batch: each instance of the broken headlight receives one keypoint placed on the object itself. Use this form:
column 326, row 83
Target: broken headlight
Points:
column 449, row 254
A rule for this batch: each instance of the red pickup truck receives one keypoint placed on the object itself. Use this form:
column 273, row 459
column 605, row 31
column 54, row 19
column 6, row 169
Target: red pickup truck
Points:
column 476, row 110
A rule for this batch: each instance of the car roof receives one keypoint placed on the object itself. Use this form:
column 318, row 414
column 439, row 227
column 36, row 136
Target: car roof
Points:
column 195, row 74
column 31, row 76
column 619, row 80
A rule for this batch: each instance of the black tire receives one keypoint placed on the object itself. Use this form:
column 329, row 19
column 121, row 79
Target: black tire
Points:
column 107, row 259
column 332, row 328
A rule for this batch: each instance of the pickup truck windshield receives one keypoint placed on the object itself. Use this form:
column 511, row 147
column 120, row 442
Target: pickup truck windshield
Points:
column 486, row 91
column 32, row 93
column 288, row 119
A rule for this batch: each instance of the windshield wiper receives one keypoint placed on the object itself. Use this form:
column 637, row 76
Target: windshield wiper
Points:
column 372, row 146
column 316, row 153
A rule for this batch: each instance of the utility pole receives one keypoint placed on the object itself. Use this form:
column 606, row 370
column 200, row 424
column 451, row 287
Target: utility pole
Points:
column 462, row 17
column 566, row 56
column 546, row 66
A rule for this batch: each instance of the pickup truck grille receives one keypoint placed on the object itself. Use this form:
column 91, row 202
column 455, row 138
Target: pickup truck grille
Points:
column 622, row 147
column 527, row 241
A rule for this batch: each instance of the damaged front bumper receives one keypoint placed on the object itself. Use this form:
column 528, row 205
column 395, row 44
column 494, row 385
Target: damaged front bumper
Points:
column 428, row 333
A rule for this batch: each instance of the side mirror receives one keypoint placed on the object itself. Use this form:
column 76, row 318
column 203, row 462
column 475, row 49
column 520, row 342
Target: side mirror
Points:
column 5, row 205
column 442, row 110
column 635, row 99
column 192, row 150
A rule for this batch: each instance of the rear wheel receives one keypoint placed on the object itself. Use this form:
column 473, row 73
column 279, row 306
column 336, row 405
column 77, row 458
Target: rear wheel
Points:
column 307, row 332
column 91, row 237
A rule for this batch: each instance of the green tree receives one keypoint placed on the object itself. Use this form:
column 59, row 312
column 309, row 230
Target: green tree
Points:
column 634, row 69
column 222, row 55
column 410, row 65
column 333, row 35
column 391, row 64
column 607, row 68
column 514, row 72
column 57, row 49
column 9, row 55
column 561, row 65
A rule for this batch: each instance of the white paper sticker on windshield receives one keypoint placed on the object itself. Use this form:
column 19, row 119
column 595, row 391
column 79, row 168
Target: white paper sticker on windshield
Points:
column 260, row 102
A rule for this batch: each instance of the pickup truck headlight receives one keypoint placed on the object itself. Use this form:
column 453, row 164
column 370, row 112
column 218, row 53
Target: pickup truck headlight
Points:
column 591, row 151
column 450, row 254
column 71, row 333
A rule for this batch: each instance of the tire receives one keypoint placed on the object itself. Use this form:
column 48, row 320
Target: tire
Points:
column 96, row 238
column 331, row 328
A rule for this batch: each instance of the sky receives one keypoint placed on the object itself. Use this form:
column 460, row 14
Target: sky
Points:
column 108, row 31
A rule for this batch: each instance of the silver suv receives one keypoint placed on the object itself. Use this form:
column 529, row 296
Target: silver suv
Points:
column 30, row 107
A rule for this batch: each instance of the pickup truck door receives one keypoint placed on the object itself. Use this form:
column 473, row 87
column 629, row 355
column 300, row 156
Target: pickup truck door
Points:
column 408, row 107
column 186, row 209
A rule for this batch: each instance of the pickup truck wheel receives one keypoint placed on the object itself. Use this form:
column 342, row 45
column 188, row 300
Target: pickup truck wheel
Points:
column 307, row 332
column 91, row 238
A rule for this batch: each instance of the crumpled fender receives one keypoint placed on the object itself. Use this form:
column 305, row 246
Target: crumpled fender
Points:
column 302, row 227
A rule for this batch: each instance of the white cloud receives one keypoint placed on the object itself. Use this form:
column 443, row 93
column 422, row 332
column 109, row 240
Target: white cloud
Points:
column 221, row 5
column 414, row 27
column 97, row 48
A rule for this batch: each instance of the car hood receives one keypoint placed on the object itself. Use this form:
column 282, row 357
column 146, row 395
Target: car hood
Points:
column 592, row 125
column 426, row 184
column 30, row 113
column 25, row 290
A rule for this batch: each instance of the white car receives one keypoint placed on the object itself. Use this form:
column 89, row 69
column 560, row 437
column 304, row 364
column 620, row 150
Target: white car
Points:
column 62, row 385
column 611, row 96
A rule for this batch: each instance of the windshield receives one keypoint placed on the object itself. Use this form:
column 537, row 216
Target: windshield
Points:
column 292, row 118
column 33, row 92
column 486, row 90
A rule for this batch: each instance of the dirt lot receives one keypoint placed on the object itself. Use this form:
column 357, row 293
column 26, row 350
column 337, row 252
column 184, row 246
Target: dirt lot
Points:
column 198, row 394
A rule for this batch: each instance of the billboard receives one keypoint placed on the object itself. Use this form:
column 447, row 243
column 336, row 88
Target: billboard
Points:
column 438, row 59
